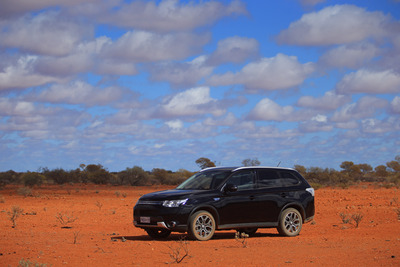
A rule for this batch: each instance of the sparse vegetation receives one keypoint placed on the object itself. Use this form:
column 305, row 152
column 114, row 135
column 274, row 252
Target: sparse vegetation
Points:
column 25, row 191
column 357, row 217
column 65, row 219
column 27, row 263
column 347, row 218
column 387, row 175
column 242, row 238
column 15, row 212
column 398, row 213
column 99, row 205
column 180, row 251
column 76, row 235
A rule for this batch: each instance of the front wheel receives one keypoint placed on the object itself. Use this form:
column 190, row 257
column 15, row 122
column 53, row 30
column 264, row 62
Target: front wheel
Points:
column 290, row 222
column 201, row 225
column 158, row 233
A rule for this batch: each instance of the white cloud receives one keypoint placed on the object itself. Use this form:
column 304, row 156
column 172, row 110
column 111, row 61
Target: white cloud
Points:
column 192, row 102
column 350, row 56
column 339, row 24
column 10, row 8
column 368, row 81
column 46, row 33
column 395, row 105
column 175, row 125
column 22, row 74
column 279, row 72
column 80, row 93
column 234, row 49
column 268, row 110
column 311, row 2
column 365, row 107
column 329, row 101
column 142, row 46
column 181, row 74
column 168, row 15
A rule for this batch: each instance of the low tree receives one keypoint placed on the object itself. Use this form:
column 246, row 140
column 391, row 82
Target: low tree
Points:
column 301, row 169
column 381, row 171
column 97, row 174
column 32, row 178
column 394, row 165
column 251, row 162
column 134, row 176
column 205, row 163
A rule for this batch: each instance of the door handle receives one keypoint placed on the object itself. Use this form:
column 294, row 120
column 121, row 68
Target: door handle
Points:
column 283, row 195
column 252, row 197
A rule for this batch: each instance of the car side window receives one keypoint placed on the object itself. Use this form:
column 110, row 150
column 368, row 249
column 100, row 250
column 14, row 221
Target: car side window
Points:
column 288, row 178
column 244, row 180
column 268, row 179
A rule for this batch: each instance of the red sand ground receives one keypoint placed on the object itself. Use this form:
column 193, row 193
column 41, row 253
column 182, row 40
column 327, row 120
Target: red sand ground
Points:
column 105, row 235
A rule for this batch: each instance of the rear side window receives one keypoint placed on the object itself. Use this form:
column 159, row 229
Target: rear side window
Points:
column 288, row 178
column 268, row 179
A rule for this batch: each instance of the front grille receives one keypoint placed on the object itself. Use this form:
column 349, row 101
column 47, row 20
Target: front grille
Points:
column 149, row 202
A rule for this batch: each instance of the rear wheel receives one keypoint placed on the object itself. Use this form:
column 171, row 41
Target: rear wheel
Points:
column 201, row 225
column 290, row 222
column 158, row 233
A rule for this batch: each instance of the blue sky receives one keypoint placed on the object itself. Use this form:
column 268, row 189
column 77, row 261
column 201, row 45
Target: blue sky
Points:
column 159, row 84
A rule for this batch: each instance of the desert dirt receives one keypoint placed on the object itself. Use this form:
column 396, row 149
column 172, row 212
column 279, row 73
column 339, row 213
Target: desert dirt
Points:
column 101, row 233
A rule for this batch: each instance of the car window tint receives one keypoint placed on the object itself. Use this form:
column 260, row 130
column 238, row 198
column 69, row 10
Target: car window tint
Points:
column 288, row 178
column 243, row 180
column 268, row 178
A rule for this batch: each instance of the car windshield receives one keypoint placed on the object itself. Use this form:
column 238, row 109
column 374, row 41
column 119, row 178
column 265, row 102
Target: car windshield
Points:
column 205, row 180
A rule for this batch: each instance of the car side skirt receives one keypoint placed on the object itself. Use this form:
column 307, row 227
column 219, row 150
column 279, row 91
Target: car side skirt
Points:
column 247, row 225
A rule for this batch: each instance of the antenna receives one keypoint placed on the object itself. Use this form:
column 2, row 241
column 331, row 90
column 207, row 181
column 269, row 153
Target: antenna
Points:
column 278, row 164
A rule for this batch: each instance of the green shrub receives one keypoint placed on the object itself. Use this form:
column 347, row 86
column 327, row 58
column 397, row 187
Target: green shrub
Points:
column 32, row 178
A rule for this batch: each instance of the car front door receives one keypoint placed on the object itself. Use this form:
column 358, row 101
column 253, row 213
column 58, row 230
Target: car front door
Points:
column 239, row 207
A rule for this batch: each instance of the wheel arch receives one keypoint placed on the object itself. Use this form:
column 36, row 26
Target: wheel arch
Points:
column 209, row 209
column 296, row 206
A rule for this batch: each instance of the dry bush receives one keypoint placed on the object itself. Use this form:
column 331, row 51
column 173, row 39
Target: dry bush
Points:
column 25, row 191
column 242, row 238
column 99, row 205
column 65, row 219
column 76, row 235
column 357, row 217
column 344, row 217
column 27, row 263
column 15, row 212
column 398, row 213
column 180, row 251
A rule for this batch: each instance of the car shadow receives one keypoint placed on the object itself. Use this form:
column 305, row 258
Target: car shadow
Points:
column 178, row 236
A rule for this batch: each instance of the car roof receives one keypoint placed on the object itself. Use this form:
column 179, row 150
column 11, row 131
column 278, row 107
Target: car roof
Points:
column 244, row 168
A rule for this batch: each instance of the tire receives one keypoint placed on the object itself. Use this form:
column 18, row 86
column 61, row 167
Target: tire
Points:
column 201, row 226
column 158, row 233
column 290, row 222
column 248, row 231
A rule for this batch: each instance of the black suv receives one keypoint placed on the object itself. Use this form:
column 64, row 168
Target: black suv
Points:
column 243, row 199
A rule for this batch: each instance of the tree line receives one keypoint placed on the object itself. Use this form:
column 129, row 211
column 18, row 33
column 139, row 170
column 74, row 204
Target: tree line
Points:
column 136, row 176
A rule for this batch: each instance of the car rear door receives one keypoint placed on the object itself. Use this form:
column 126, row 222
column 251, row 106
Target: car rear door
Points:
column 271, row 196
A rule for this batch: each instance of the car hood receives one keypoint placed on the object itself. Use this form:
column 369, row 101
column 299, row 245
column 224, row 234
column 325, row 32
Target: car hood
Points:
column 173, row 194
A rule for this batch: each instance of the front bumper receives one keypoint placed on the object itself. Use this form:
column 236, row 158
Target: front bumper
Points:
column 174, row 219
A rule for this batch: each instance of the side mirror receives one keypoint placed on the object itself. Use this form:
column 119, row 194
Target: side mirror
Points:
column 231, row 188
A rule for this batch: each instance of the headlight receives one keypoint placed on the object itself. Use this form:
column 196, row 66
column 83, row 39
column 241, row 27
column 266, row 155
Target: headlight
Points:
column 174, row 203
